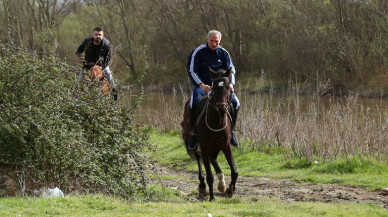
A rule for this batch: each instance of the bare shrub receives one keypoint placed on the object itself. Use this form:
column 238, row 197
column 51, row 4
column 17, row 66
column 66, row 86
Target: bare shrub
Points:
column 342, row 128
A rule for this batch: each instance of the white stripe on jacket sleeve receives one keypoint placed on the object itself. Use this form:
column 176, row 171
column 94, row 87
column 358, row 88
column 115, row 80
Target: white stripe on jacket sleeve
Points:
column 193, row 74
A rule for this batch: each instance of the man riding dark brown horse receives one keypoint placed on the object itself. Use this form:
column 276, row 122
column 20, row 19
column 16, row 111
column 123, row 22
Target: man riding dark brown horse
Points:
column 214, row 131
column 209, row 55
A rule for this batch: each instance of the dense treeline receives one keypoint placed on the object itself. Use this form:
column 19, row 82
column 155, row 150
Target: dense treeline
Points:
column 338, row 44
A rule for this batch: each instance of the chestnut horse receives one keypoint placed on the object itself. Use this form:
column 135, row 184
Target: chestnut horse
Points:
column 214, row 132
column 97, row 77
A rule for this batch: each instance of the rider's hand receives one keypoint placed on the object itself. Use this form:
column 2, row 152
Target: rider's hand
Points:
column 205, row 87
column 231, row 87
column 79, row 55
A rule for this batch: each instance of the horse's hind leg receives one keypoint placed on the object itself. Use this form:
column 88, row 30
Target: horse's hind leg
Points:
column 233, row 170
column 220, row 174
column 209, row 175
column 202, row 185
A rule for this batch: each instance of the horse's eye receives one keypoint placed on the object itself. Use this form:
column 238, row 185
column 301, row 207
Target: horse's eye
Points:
column 221, row 84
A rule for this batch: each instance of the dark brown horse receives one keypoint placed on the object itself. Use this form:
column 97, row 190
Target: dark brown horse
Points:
column 97, row 77
column 214, row 131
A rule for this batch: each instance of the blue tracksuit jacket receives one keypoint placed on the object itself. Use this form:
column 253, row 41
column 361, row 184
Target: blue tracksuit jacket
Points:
column 201, row 58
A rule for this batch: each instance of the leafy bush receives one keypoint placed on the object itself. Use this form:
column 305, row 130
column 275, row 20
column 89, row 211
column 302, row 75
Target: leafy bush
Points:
column 54, row 134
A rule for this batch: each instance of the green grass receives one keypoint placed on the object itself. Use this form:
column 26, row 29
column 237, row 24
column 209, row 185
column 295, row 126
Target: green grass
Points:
column 99, row 205
column 357, row 171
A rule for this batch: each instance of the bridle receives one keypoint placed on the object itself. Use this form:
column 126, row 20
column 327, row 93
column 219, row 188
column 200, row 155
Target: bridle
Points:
column 216, row 107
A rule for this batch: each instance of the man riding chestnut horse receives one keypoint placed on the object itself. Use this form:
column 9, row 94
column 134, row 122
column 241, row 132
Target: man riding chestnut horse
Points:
column 97, row 54
column 210, row 55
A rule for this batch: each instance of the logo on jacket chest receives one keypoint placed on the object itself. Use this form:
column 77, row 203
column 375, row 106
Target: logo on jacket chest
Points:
column 213, row 63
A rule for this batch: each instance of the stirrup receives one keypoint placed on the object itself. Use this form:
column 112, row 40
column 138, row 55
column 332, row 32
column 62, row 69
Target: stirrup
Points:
column 234, row 141
column 192, row 141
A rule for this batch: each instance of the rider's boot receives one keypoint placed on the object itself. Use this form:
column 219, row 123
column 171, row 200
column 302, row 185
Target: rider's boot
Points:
column 193, row 137
column 109, row 76
column 114, row 94
column 234, row 120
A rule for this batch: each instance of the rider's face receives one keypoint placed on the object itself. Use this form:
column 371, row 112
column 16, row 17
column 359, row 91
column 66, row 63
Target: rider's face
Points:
column 213, row 41
column 98, row 36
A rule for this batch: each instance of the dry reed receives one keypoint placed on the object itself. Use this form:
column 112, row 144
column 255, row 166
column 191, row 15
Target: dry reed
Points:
column 341, row 127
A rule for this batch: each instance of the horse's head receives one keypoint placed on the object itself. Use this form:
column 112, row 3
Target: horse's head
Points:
column 221, row 88
column 97, row 77
column 96, row 73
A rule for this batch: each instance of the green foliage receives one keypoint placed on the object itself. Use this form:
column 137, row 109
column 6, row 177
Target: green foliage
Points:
column 158, row 193
column 53, row 134
column 297, row 164
column 354, row 165
column 234, row 200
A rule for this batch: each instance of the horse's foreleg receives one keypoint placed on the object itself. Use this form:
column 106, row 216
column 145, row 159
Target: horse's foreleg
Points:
column 214, row 162
column 220, row 174
column 209, row 175
column 233, row 170
column 202, row 185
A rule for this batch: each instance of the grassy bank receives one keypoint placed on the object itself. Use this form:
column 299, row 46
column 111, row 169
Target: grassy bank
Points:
column 98, row 205
column 357, row 171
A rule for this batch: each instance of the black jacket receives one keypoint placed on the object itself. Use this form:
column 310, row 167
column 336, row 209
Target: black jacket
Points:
column 95, row 54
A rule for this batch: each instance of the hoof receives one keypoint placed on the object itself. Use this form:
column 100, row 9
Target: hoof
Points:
column 212, row 199
column 230, row 191
column 221, row 189
column 203, row 191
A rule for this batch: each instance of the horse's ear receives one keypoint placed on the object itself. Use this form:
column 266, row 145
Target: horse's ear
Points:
column 212, row 72
column 228, row 73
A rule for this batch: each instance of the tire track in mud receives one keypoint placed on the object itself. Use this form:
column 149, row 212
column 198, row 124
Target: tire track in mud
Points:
column 187, row 182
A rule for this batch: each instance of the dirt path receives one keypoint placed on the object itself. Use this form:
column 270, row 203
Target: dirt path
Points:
column 186, row 182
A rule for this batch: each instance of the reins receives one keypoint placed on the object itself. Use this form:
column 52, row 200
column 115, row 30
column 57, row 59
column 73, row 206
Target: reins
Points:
column 226, row 113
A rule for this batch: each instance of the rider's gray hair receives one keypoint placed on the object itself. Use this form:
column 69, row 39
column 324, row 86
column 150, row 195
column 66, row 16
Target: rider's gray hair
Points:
column 211, row 32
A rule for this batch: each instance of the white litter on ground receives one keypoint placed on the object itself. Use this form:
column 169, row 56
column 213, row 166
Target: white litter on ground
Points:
column 52, row 192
